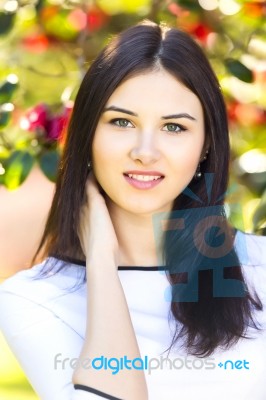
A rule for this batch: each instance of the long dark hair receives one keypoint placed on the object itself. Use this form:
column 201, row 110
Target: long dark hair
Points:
column 204, row 321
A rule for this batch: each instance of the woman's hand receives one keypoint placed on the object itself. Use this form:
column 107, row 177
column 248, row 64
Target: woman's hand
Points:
column 96, row 232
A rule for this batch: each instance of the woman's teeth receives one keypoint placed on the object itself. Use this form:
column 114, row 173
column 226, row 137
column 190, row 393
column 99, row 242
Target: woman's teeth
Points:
column 144, row 177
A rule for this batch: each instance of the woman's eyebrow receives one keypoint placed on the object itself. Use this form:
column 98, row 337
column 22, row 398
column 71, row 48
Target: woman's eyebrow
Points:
column 124, row 111
column 181, row 115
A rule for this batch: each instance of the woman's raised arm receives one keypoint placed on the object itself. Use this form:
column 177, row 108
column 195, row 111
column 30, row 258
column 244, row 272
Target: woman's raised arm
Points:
column 109, row 331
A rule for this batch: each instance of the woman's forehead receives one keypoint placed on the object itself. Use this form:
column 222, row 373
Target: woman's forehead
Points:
column 154, row 89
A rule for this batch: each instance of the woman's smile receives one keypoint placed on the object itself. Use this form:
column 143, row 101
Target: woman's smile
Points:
column 143, row 180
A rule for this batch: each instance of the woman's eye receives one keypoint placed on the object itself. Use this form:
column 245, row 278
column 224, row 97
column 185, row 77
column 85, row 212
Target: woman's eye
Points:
column 122, row 123
column 174, row 128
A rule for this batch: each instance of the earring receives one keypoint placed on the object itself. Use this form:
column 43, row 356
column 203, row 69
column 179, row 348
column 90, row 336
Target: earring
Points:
column 198, row 173
column 206, row 155
column 89, row 164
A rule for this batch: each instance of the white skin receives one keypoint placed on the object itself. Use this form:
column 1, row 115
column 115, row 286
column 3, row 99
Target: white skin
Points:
column 117, row 230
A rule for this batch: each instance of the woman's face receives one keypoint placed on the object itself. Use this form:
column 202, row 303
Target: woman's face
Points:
column 152, row 126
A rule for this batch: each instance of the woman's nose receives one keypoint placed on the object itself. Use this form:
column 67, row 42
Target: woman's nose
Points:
column 145, row 149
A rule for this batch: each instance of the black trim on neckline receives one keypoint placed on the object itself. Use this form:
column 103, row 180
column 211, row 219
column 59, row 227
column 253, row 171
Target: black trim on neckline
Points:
column 82, row 263
column 77, row 386
column 136, row 268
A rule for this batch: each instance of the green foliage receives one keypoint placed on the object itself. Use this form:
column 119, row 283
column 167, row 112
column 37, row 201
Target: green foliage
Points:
column 7, row 89
column 237, row 69
column 49, row 162
column 17, row 168
column 259, row 217
column 5, row 116
column 46, row 47
column 6, row 22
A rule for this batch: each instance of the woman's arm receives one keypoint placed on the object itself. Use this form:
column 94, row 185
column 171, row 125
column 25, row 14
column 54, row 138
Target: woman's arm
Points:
column 109, row 330
column 43, row 341
column 110, row 334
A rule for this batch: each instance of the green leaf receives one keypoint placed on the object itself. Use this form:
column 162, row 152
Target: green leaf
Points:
column 5, row 114
column 239, row 70
column 60, row 27
column 189, row 4
column 6, row 22
column 18, row 167
column 4, row 118
column 7, row 89
column 259, row 217
column 49, row 162
column 39, row 5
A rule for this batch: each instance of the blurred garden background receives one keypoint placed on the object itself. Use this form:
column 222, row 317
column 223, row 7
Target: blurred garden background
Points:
column 45, row 48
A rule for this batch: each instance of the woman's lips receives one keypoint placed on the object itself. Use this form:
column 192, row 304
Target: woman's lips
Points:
column 143, row 184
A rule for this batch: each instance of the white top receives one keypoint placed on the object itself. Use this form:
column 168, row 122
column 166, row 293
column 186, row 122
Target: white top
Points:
column 44, row 321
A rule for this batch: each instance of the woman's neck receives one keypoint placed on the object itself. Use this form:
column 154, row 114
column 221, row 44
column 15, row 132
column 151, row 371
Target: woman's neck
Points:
column 136, row 238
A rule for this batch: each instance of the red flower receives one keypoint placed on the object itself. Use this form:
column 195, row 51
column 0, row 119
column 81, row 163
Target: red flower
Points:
column 255, row 9
column 246, row 114
column 51, row 126
column 56, row 126
column 96, row 18
column 35, row 118
column 35, row 43
column 177, row 10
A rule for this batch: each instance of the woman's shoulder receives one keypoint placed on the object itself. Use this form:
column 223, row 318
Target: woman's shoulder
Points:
column 251, row 250
column 27, row 299
column 42, row 318
column 44, row 281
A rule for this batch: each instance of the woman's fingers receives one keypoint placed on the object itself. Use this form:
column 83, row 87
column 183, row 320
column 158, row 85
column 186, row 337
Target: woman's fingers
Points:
column 96, row 231
column 92, row 189
column 81, row 228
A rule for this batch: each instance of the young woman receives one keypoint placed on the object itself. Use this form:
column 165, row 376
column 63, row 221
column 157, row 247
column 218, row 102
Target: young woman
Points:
column 144, row 291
